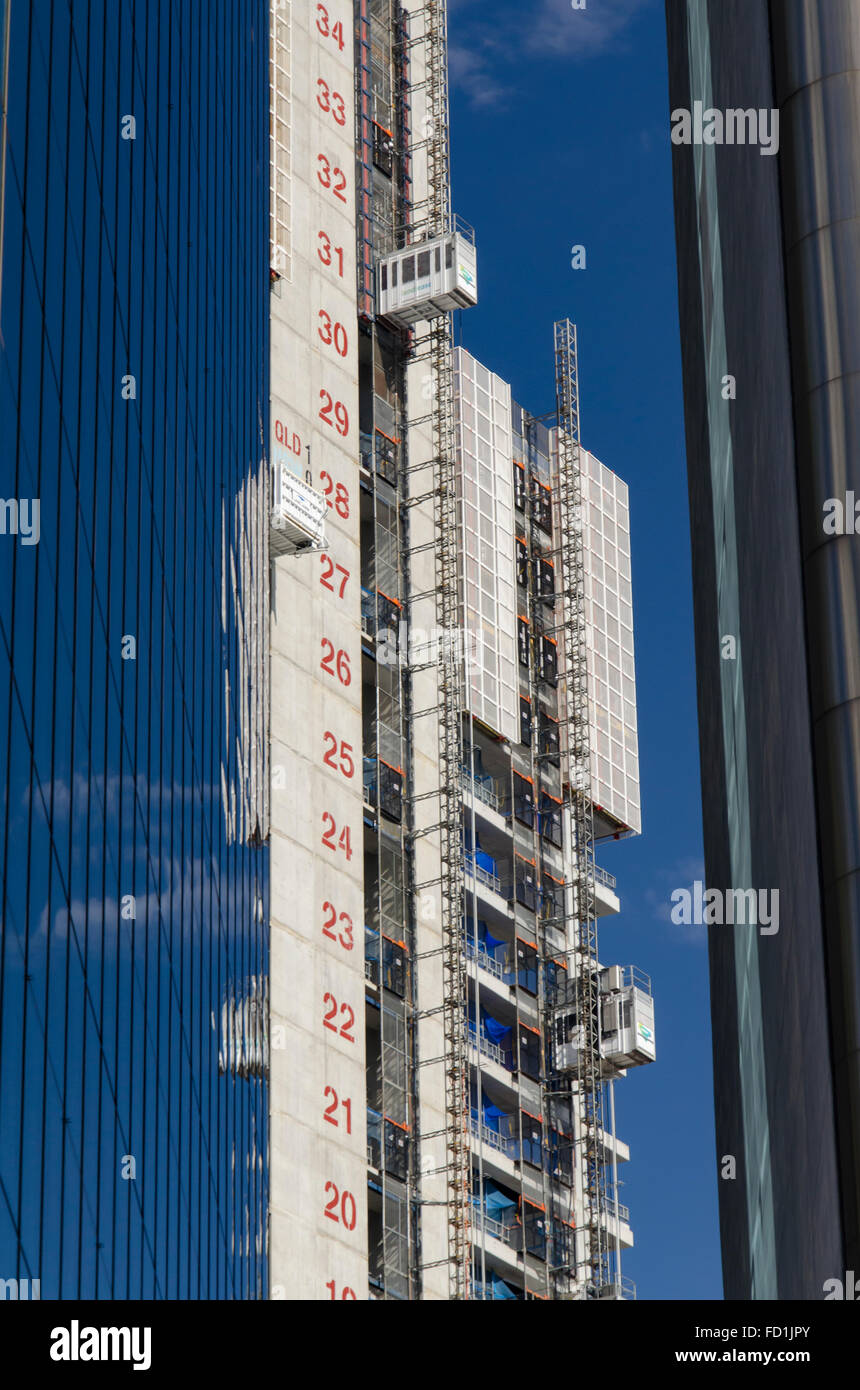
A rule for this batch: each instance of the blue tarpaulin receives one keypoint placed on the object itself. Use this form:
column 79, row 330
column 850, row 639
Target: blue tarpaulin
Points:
column 492, row 1113
column 490, row 1026
column 498, row 1033
column 486, row 938
column 495, row 1031
column 495, row 1199
column 482, row 859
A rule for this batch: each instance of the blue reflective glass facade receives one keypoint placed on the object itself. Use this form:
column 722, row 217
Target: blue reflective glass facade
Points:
column 133, row 406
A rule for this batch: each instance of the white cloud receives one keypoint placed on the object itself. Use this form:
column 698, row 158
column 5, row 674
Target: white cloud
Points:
column 682, row 874
column 472, row 68
column 582, row 33
column 481, row 58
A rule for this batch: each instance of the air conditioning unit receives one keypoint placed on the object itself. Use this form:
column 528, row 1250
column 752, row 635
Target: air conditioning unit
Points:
column 612, row 978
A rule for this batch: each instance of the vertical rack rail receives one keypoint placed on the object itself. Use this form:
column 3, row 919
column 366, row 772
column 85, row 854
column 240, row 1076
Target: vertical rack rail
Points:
column 431, row 216
column 364, row 161
column 535, row 617
column 450, row 798
column 577, row 789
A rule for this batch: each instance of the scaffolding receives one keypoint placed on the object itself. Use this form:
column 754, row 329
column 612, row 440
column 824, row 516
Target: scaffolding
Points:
column 583, row 990
column 556, row 1098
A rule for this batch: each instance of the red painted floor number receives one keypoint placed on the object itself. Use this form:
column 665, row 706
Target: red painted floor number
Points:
column 341, row 1206
column 327, row 29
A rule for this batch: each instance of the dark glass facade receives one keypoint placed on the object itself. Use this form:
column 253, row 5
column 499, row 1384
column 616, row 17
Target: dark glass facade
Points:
column 758, row 307
column 133, row 1133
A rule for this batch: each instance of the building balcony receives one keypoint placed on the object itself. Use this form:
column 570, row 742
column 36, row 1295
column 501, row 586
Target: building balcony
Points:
column 495, row 1290
column 483, row 789
column 482, row 1223
column 492, row 1038
column 484, row 883
column 609, row 1149
column 486, row 878
column 487, row 904
column 487, row 798
column 497, row 977
column 620, row 1289
column 496, row 1139
column 616, row 1222
column 499, row 1152
column 499, row 970
column 497, row 1241
column 494, row 1053
column 606, row 900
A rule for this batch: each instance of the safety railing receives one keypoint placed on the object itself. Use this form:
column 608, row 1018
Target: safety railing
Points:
column 615, row 1209
column 483, row 788
column 487, row 1292
column 490, row 880
column 498, row 969
column 489, row 1049
column 492, row 1138
column 509, row 1233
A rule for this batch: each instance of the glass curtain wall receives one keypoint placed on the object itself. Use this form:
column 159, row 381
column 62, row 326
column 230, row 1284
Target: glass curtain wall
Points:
column 133, row 403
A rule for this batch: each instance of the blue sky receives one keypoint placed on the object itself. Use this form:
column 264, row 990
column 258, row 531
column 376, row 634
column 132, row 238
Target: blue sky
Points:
column 560, row 137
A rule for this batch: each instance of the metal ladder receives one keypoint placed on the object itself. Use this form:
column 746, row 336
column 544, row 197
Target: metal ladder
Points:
column 584, row 988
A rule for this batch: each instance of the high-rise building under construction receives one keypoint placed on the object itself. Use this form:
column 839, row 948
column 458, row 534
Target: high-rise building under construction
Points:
column 300, row 993
column 453, row 729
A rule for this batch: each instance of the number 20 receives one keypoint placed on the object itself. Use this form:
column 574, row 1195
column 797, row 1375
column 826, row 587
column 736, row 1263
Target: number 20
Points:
column 348, row 1214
